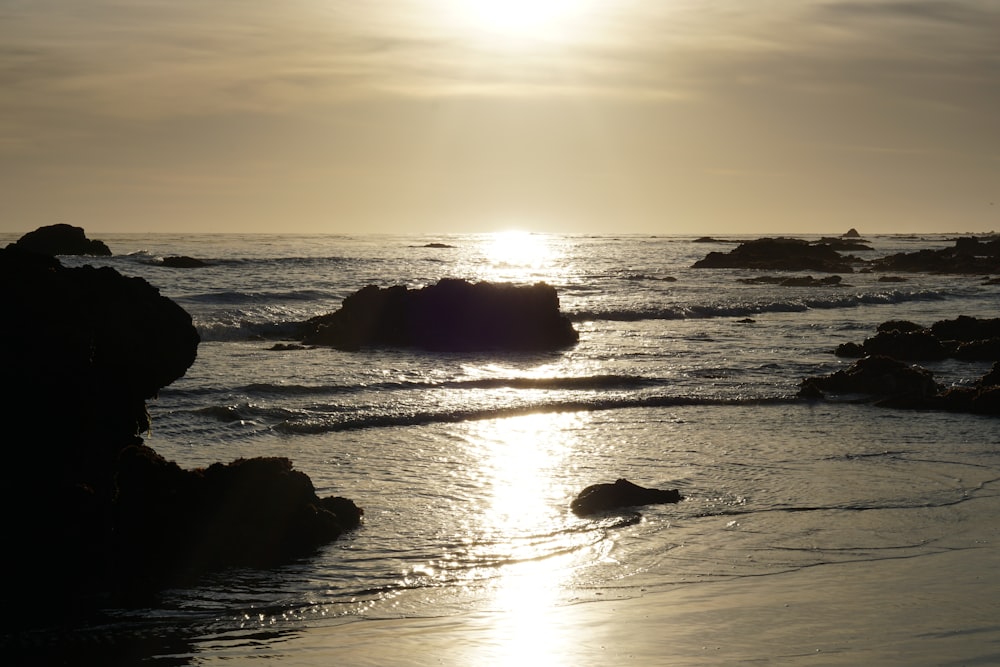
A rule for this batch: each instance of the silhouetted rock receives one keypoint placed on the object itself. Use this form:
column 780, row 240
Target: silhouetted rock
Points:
column 967, row 329
column 438, row 245
column 920, row 345
column 174, row 524
column 967, row 256
column 60, row 239
column 182, row 262
column 851, row 233
column 90, row 509
column 778, row 254
column 623, row 493
column 452, row 315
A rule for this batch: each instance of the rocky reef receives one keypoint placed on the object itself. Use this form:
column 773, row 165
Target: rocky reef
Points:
column 882, row 371
column 94, row 514
column 451, row 315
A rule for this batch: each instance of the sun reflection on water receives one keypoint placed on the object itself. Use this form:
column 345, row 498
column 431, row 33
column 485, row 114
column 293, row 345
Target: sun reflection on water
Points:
column 523, row 465
column 518, row 256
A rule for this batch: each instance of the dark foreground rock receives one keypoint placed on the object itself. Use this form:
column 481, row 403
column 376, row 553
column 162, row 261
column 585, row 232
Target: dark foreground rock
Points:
column 452, row 315
column 779, row 254
column 61, row 239
column 623, row 493
column 91, row 511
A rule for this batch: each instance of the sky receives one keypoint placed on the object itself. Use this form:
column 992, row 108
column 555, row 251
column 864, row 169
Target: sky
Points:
column 446, row 116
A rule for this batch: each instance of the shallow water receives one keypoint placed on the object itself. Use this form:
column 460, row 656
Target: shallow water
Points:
column 466, row 464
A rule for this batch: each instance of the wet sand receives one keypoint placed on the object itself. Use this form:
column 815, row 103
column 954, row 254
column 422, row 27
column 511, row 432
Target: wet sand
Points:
column 938, row 609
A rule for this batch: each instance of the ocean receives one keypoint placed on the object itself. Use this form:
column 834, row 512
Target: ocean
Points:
column 465, row 464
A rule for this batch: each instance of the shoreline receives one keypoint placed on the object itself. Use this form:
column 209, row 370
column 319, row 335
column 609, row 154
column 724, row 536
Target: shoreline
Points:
column 935, row 609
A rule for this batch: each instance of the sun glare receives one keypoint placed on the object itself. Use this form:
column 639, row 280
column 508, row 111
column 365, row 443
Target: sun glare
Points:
column 518, row 18
column 519, row 256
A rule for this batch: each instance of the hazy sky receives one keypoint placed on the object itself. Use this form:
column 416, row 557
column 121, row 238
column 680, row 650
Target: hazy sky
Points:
column 659, row 116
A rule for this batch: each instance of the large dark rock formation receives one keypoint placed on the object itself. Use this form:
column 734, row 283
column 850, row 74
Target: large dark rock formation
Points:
column 623, row 493
column 91, row 510
column 779, row 254
column 452, row 315
column 61, row 239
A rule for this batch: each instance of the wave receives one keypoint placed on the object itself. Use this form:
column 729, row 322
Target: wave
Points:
column 686, row 312
column 578, row 383
column 230, row 298
column 315, row 425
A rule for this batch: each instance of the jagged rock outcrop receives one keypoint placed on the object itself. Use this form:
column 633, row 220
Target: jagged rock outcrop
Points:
column 91, row 510
column 61, row 239
column 452, row 315
column 779, row 254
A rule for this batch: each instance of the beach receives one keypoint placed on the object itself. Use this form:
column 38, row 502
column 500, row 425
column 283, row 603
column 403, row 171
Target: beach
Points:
column 811, row 531
column 939, row 609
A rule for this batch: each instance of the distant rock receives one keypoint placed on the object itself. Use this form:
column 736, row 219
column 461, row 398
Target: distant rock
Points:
column 845, row 245
column 61, row 239
column 623, row 493
column 969, row 255
column 182, row 262
column 438, row 245
column 779, row 254
column 452, row 315
column 892, row 279
column 710, row 239
column 851, row 233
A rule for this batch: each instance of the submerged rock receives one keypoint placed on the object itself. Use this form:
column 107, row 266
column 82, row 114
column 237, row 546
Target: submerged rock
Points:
column 452, row 315
column 182, row 262
column 61, row 239
column 793, row 281
column 623, row 493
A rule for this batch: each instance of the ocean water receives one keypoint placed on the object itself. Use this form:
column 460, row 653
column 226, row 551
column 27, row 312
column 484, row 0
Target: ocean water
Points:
column 465, row 464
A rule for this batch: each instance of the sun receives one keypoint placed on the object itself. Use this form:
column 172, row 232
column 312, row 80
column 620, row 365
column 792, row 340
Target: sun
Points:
column 518, row 18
